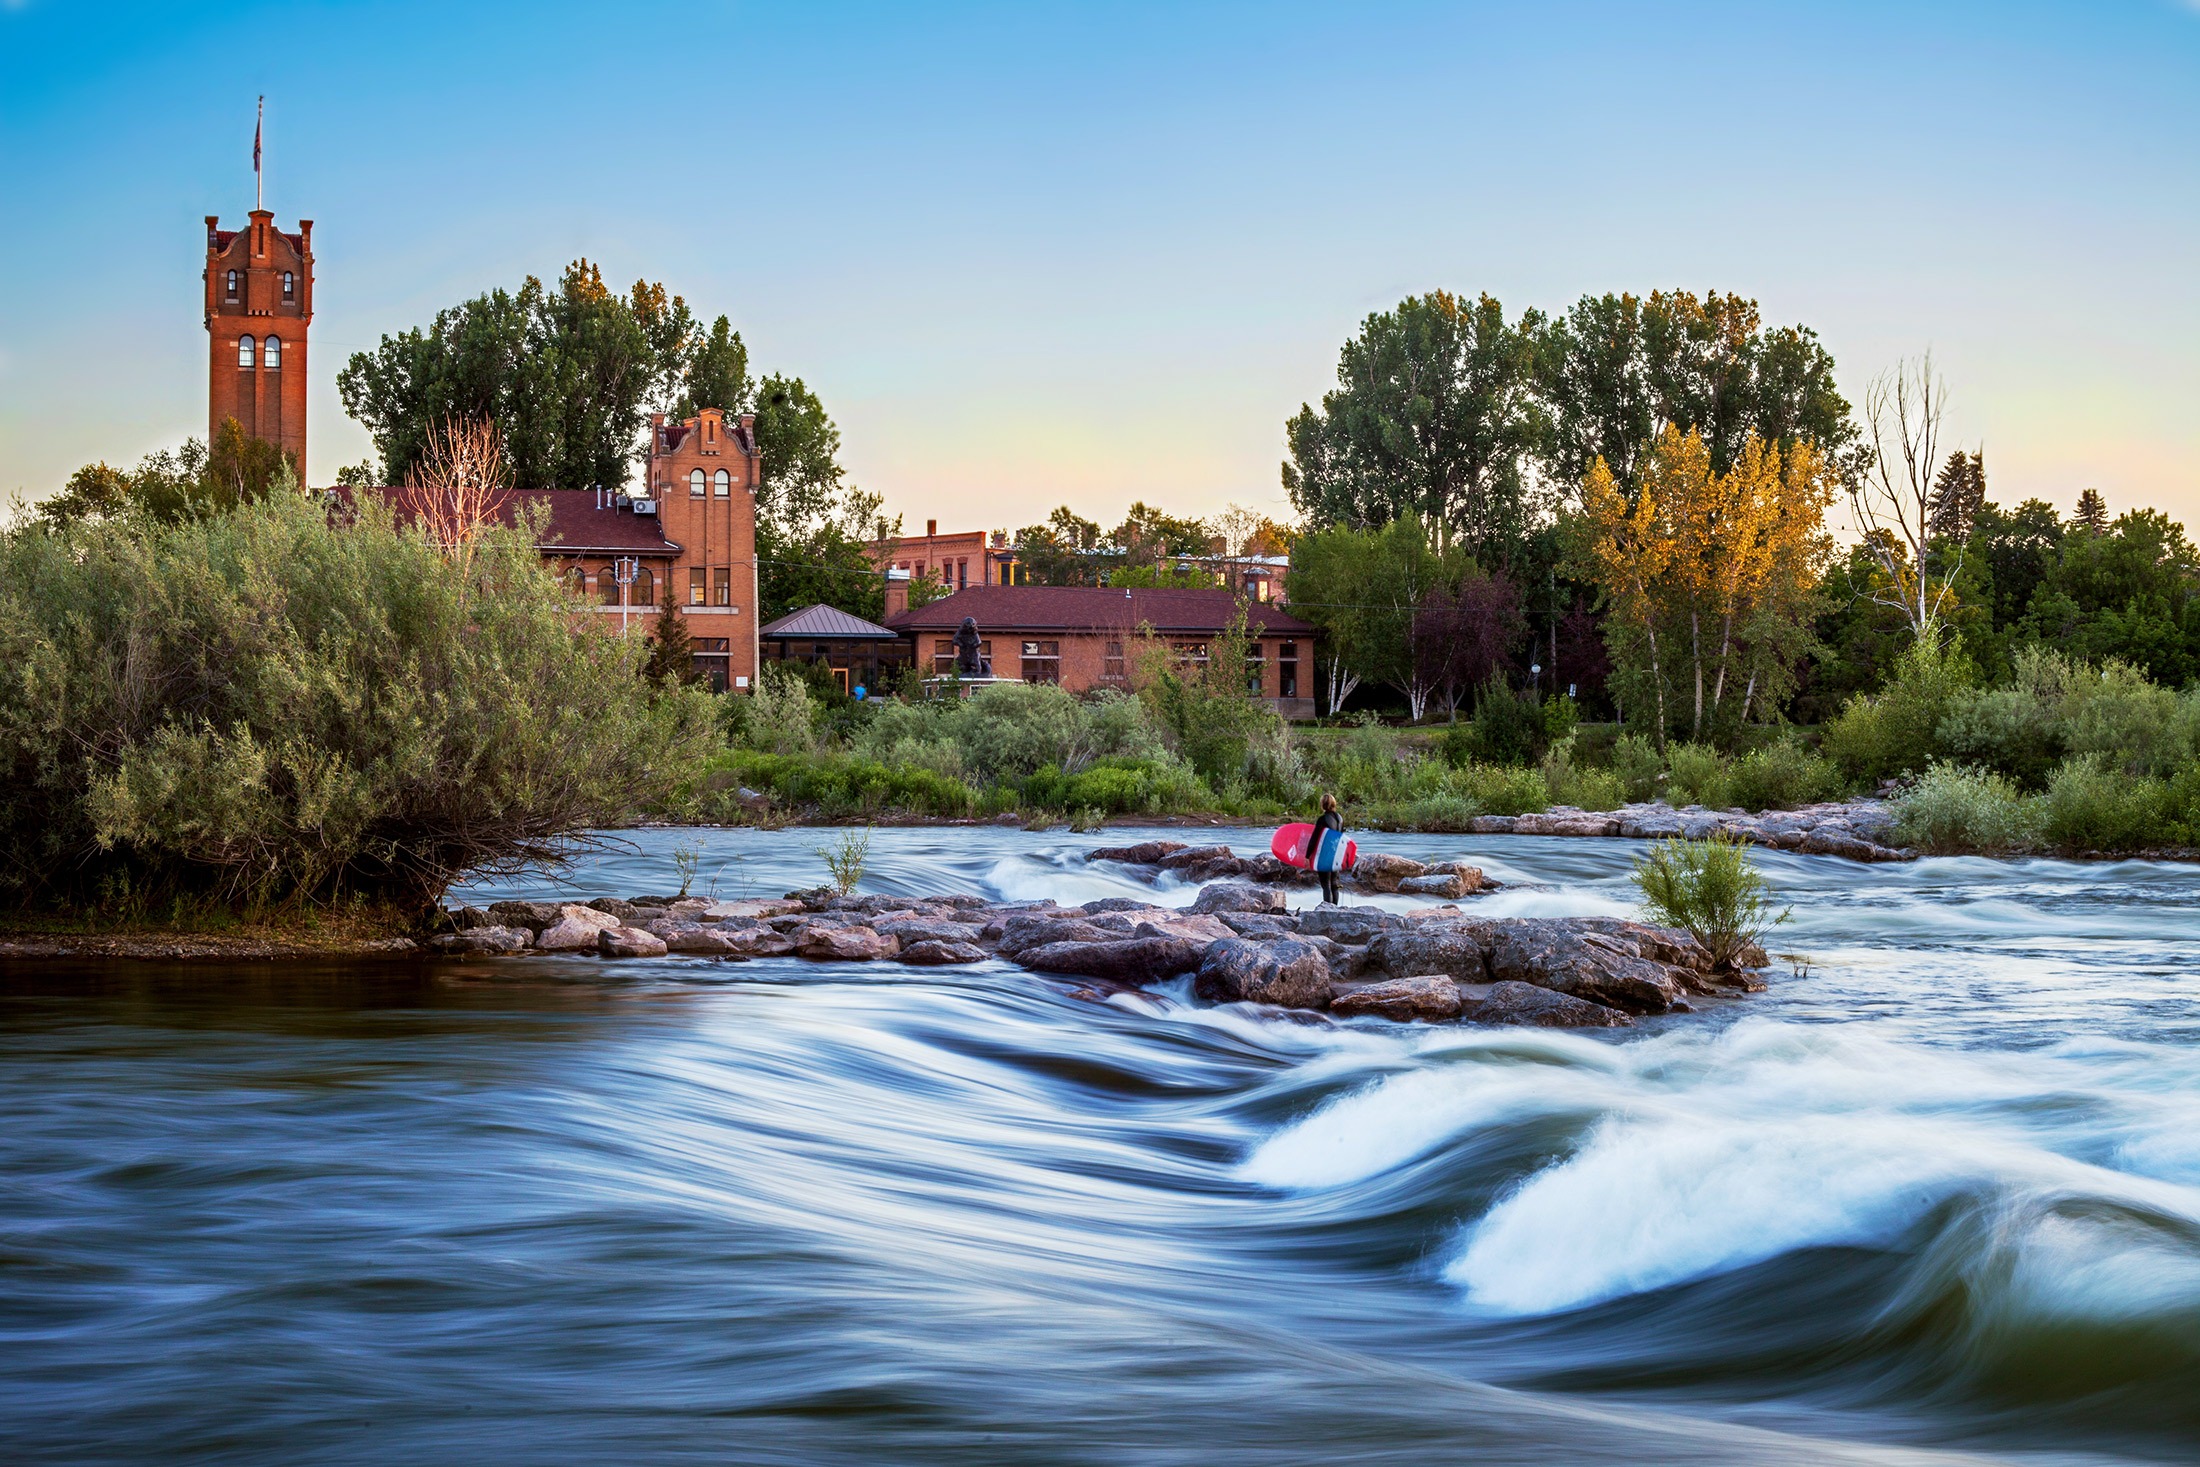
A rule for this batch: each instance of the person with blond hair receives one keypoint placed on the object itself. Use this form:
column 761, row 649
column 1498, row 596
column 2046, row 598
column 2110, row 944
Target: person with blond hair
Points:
column 1325, row 847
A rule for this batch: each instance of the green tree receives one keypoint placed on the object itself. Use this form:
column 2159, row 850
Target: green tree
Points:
column 718, row 374
column 1161, row 576
column 1065, row 551
column 671, row 651
column 172, row 485
column 1434, row 415
column 1147, row 536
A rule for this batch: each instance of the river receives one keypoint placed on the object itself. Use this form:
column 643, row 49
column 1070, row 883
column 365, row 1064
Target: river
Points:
column 1934, row 1196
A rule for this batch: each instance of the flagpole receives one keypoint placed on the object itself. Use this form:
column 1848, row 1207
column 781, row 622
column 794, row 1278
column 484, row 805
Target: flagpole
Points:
column 259, row 120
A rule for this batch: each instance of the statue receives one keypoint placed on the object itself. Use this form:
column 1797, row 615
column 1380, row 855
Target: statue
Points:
column 967, row 661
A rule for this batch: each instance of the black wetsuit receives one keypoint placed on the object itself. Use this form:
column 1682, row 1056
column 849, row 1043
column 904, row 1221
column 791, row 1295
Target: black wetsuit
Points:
column 1327, row 820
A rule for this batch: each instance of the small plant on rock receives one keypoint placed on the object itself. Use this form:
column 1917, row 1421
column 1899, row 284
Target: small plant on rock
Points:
column 845, row 858
column 687, row 857
column 1712, row 888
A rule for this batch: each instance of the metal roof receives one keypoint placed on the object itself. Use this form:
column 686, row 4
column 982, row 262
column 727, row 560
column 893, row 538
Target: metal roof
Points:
column 1089, row 608
column 830, row 624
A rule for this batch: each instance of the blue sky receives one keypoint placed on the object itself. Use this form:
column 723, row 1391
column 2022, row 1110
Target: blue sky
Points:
column 1030, row 254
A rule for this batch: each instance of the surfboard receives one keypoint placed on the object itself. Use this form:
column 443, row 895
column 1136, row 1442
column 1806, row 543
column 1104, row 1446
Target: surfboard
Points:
column 1288, row 845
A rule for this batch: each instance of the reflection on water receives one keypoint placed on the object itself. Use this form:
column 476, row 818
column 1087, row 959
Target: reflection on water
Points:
column 1941, row 1193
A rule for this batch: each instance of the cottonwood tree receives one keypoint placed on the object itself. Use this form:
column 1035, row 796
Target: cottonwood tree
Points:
column 455, row 486
column 1893, row 497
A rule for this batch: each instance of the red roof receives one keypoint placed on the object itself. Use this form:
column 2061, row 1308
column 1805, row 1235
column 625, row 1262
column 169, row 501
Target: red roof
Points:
column 576, row 523
column 1088, row 608
column 222, row 237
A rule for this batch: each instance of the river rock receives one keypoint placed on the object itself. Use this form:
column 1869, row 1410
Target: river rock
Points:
column 753, row 911
column 575, row 930
column 466, row 919
column 1411, row 950
column 489, row 939
column 1430, row 997
column 927, row 953
column 1379, row 872
column 1237, row 896
column 760, row 942
column 1288, row 973
column 1526, row 1004
column 914, row 929
column 1602, row 966
column 623, row 910
column 1026, row 930
column 1258, row 924
column 1572, row 822
column 1491, row 825
column 1267, row 869
column 1444, row 884
column 1344, row 924
column 534, row 916
column 1145, row 853
column 1128, row 961
column 693, row 937
column 849, row 944
column 629, row 942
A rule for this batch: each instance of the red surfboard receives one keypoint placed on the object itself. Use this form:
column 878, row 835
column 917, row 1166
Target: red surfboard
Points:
column 1289, row 847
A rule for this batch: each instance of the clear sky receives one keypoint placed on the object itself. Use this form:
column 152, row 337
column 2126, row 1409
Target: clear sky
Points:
column 1037, row 253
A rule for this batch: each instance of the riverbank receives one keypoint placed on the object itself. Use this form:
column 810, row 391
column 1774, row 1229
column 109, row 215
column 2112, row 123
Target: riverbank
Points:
column 214, row 938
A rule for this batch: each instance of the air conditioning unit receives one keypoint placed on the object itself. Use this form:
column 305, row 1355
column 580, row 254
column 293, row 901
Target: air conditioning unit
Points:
column 645, row 506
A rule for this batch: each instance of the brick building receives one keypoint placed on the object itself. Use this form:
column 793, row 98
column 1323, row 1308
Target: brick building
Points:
column 957, row 559
column 259, row 302
column 1083, row 637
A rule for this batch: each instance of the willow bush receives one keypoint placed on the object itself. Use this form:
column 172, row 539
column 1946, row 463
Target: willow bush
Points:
column 263, row 705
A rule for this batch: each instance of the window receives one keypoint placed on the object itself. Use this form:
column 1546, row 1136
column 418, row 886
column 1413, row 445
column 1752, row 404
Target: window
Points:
column 1287, row 670
column 607, row 586
column 576, row 581
column 722, row 484
column 272, row 354
column 232, row 285
column 1042, row 662
column 721, row 586
column 244, row 351
column 645, row 587
column 1256, row 667
column 943, row 654
column 710, row 430
column 1111, row 662
column 712, row 656
column 696, row 586
column 290, row 290
column 695, row 484
column 1189, row 654
column 962, row 574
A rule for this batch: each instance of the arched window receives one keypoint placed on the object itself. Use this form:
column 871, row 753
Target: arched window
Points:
column 271, row 354
column 645, row 587
column 244, row 351
column 723, row 482
column 607, row 586
column 695, row 484
column 290, row 286
column 576, row 581
column 232, row 285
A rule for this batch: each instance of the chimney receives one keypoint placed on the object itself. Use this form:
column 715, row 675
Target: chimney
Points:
column 897, row 593
column 931, row 528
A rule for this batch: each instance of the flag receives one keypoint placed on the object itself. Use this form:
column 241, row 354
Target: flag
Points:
column 256, row 121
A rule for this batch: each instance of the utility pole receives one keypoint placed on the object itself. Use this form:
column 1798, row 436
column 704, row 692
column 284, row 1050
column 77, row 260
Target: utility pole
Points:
column 622, row 571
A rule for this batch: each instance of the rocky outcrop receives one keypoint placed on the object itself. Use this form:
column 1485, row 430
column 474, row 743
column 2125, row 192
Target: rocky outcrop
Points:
column 1378, row 872
column 930, row 954
column 1604, row 967
column 1287, row 973
column 575, row 930
column 1857, row 830
column 490, row 939
column 692, row 937
column 1238, row 896
column 850, row 944
column 1526, row 1004
column 1458, row 950
column 1430, row 998
column 629, row 942
column 1127, row 962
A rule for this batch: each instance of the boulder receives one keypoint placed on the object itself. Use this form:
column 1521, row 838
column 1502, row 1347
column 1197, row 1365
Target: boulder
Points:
column 753, row 911
column 934, row 954
column 1258, row 924
column 1569, row 822
column 694, row 937
column 1411, row 950
column 1266, row 868
column 1128, row 961
column 629, row 942
column 851, row 944
column 1237, row 896
column 534, row 916
column 1526, row 1004
column 1491, row 825
column 908, row 930
column 1568, row 956
column 760, row 942
column 1288, row 973
column 575, row 930
column 490, row 939
column 1380, row 872
column 623, row 910
column 1443, row 884
column 1193, row 926
column 1430, row 997
column 1344, row 924
column 1145, row 853
column 1184, row 856
column 1026, row 930
column 466, row 919
column 1674, row 946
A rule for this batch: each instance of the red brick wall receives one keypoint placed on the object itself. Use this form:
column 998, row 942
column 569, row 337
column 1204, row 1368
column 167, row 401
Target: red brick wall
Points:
column 1084, row 661
column 716, row 533
column 267, row 402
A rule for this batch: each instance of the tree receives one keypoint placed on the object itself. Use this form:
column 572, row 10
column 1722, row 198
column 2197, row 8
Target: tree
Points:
column 671, row 658
column 1147, row 536
column 1163, row 576
column 169, row 486
column 1433, row 415
column 926, row 589
column 1243, row 531
column 1366, row 589
column 1893, row 498
column 454, row 486
column 1959, row 490
column 1464, row 635
column 718, row 374
column 1065, row 551
column 2092, row 513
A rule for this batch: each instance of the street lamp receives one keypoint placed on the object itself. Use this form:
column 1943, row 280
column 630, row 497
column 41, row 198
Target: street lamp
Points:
column 622, row 571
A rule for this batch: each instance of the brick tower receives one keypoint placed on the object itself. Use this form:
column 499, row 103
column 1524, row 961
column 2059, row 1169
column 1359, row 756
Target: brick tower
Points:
column 259, row 301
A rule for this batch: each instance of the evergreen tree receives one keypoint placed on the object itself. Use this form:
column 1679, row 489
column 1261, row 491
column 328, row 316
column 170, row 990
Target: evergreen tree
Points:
column 2092, row 513
column 1958, row 491
column 671, row 654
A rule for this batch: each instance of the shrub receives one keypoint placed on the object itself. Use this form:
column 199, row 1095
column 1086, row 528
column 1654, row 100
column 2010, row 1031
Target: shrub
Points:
column 1640, row 769
column 1955, row 808
column 1896, row 731
column 2010, row 729
column 1780, row 776
column 2092, row 806
column 1571, row 784
column 781, row 717
column 1507, row 728
column 2117, row 715
column 1699, row 776
column 1712, row 888
column 262, row 705
column 1495, row 790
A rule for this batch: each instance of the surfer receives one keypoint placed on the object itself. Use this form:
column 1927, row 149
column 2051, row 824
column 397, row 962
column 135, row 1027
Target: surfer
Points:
column 1325, row 823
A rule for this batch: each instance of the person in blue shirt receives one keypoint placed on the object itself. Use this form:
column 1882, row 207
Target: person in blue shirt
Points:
column 1328, row 820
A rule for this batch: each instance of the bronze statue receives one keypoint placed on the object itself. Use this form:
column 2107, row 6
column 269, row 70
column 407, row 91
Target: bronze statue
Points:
column 967, row 661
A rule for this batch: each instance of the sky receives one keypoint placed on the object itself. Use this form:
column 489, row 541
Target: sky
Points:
column 1044, row 253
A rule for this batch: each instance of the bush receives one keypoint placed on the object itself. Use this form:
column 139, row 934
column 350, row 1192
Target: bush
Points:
column 1712, row 888
column 1699, row 776
column 1780, row 776
column 1571, row 784
column 2010, row 730
column 1955, row 808
column 2115, row 714
column 1896, row 731
column 1499, row 791
column 1507, row 728
column 1638, row 766
column 781, row 716
column 260, row 705
column 2092, row 806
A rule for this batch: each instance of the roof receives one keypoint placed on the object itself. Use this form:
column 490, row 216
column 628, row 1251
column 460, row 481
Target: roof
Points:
column 577, row 523
column 830, row 624
column 1090, row 608
column 224, row 237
